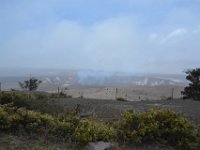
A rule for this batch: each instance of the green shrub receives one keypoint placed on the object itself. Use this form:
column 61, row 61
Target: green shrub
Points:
column 14, row 119
column 121, row 99
column 4, row 124
column 69, row 115
column 88, row 131
column 39, row 102
column 41, row 96
column 19, row 100
column 164, row 126
column 60, row 95
column 198, row 133
column 6, row 98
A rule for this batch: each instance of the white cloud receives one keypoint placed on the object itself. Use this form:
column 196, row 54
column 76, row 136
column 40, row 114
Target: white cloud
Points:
column 153, row 36
column 174, row 34
column 197, row 30
column 114, row 44
column 126, row 37
column 104, row 45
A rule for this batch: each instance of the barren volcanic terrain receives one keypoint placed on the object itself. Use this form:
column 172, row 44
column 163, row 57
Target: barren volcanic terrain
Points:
column 113, row 109
column 131, row 93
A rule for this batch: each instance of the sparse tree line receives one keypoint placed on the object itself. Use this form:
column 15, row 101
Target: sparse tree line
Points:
column 191, row 91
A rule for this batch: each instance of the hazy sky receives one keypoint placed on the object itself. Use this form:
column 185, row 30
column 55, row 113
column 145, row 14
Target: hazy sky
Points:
column 151, row 36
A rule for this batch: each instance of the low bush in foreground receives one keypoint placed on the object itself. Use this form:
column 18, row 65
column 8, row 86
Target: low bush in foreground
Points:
column 37, row 102
column 15, row 119
column 19, row 115
column 90, row 131
column 164, row 126
column 19, row 100
column 68, row 127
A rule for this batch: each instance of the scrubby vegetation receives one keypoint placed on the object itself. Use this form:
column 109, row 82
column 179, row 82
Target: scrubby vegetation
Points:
column 164, row 126
column 193, row 89
column 121, row 99
column 38, row 102
column 31, row 84
column 37, row 117
column 89, row 131
column 69, row 128
column 60, row 95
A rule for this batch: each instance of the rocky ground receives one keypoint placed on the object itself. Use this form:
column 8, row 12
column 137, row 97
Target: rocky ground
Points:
column 131, row 93
column 113, row 109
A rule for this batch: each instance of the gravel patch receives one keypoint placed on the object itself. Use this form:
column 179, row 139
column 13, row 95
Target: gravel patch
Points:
column 113, row 109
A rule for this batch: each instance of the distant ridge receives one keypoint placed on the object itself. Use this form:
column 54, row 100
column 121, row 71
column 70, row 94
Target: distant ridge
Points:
column 65, row 78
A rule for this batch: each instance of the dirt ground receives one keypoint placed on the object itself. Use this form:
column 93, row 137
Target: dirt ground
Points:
column 132, row 93
column 113, row 109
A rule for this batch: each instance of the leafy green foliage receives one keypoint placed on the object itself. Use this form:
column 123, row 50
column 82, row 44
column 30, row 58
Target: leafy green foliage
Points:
column 88, row 131
column 30, row 85
column 6, row 98
column 193, row 90
column 60, row 95
column 3, row 119
column 41, row 96
column 14, row 119
column 39, row 102
column 68, row 126
column 19, row 100
column 121, row 99
column 164, row 126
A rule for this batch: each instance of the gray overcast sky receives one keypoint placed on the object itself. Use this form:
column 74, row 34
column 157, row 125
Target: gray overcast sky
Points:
column 151, row 36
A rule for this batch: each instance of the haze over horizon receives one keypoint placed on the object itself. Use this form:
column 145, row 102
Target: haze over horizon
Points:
column 147, row 36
